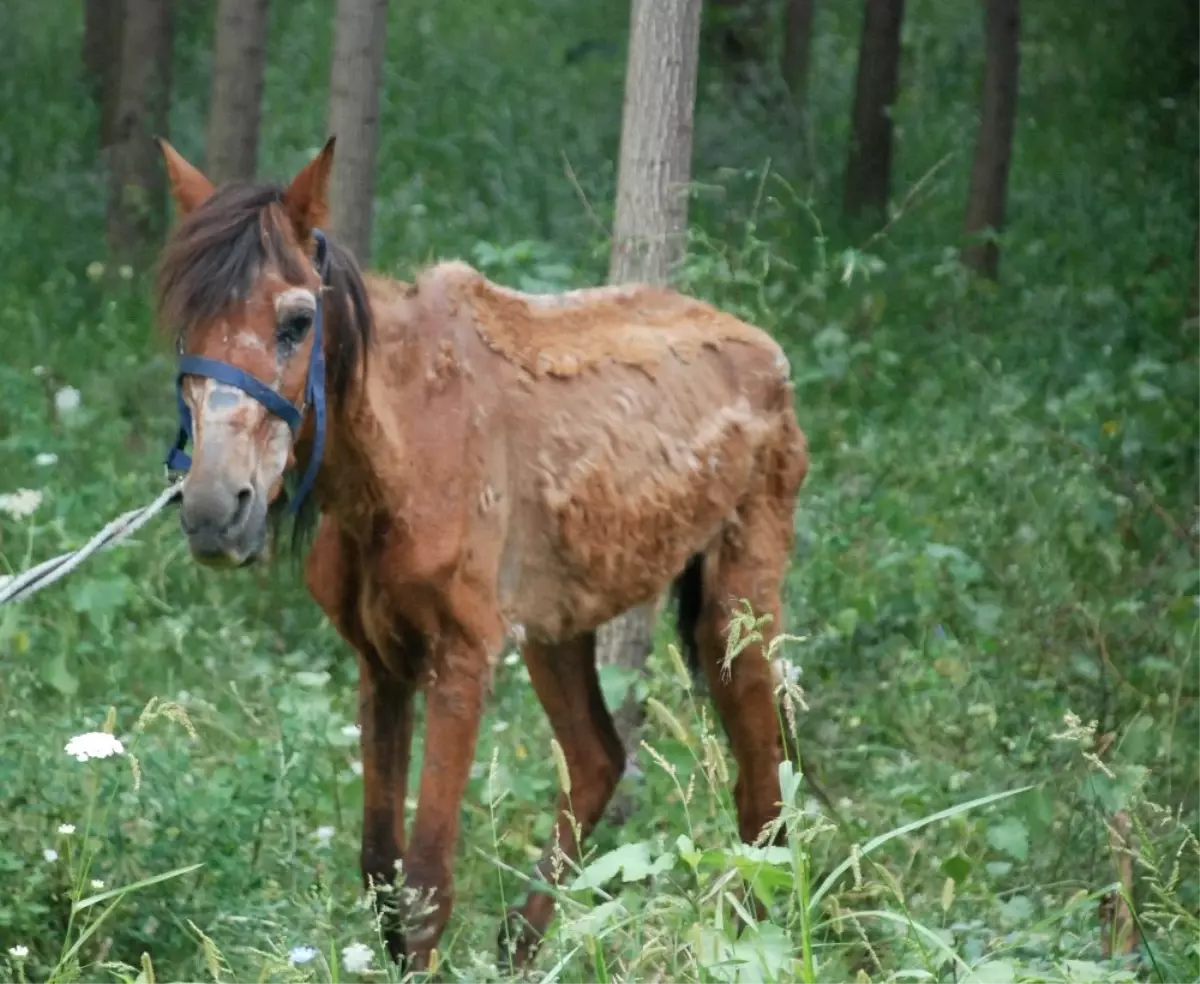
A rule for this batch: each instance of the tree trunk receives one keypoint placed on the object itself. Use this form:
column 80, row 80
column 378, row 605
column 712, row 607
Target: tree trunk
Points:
column 355, row 81
column 235, row 105
column 797, row 48
column 736, row 33
column 993, row 149
column 137, row 184
column 1193, row 308
column 102, row 28
column 650, row 226
column 869, row 165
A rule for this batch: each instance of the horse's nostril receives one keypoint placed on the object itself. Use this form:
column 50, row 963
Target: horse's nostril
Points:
column 245, row 498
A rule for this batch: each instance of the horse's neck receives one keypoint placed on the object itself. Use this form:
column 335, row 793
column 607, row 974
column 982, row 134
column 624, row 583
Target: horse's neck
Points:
column 361, row 473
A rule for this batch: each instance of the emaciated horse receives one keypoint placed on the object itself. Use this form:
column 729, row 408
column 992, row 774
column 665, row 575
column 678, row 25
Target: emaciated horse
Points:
column 486, row 464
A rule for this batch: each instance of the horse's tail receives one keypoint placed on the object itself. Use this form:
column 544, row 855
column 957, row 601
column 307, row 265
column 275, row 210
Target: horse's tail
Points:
column 689, row 596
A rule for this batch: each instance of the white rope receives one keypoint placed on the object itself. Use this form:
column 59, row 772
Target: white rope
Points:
column 21, row 586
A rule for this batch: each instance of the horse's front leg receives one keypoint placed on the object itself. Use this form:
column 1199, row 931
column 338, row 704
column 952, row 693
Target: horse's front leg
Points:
column 453, row 705
column 385, row 709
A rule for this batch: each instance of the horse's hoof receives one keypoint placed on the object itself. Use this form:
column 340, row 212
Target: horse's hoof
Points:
column 516, row 942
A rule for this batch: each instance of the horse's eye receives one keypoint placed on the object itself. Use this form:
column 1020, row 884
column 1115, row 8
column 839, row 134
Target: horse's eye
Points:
column 292, row 326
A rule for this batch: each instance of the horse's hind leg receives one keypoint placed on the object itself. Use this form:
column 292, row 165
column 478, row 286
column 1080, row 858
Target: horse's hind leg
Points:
column 747, row 562
column 565, row 681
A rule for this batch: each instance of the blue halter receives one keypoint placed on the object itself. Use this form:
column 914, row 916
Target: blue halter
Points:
column 314, row 392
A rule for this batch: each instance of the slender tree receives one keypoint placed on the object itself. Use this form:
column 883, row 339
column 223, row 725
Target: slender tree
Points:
column 137, row 185
column 1193, row 307
column 102, row 23
column 797, row 48
column 355, row 82
column 235, row 103
column 651, row 222
column 869, row 164
column 988, row 197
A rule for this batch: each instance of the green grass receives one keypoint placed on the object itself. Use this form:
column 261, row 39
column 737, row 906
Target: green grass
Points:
column 997, row 531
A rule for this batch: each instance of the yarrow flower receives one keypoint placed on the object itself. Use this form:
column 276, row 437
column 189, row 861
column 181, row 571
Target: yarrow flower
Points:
column 50, row 855
column 66, row 829
column 356, row 957
column 18, row 952
column 299, row 955
column 351, row 730
column 97, row 883
column 67, row 400
column 21, row 503
column 45, row 459
column 324, row 835
column 94, row 745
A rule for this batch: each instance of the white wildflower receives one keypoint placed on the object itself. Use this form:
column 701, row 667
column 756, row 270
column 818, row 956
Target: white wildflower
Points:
column 39, row 371
column 50, row 855
column 299, row 955
column 125, row 271
column 499, row 727
column 512, row 659
column 97, row 884
column 67, row 400
column 21, row 503
column 46, row 459
column 351, row 730
column 356, row 957
column 95, row 270
column 356, row 767
column 94, row 745
column 66, row 829
column 18, row 952
column 324, row 835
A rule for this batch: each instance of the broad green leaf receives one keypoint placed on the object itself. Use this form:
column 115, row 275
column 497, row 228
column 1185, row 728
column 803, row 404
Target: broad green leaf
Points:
column 631, row 861
column 992, row 972
column 56, row 673
column 957, row 867
column 1010, row 836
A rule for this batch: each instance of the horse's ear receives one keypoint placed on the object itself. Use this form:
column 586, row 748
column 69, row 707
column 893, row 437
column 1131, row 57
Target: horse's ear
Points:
column 307, row 197
column 189, row 187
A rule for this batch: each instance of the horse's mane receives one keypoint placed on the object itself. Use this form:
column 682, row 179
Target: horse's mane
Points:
column 216, row 254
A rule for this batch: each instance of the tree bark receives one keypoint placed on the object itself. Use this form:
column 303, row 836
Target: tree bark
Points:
column 235, row 104
column 1193, row 308
column 988, row 197
column 102, row 29
column 137, row 184
column 869, row 164
column 355, row 81
column 797, row 49
column 736, row 32
column 649, row 229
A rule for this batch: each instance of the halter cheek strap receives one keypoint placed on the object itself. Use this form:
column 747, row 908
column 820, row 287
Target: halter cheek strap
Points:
column 314, row 392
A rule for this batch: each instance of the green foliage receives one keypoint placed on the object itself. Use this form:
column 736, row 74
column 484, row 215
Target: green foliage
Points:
column 995, row 544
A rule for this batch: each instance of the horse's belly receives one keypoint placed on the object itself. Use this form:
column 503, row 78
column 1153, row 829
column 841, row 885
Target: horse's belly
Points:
column 625, row 512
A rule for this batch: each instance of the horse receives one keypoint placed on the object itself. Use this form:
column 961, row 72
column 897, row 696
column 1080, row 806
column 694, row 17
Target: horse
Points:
column 478, row 465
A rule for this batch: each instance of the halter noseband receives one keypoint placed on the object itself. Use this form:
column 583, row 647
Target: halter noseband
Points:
column 314, row 392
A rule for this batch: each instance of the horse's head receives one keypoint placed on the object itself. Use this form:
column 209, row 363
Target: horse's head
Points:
column 240, row 284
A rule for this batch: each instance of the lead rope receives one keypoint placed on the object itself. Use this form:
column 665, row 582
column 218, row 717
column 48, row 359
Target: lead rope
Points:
column 21, row 586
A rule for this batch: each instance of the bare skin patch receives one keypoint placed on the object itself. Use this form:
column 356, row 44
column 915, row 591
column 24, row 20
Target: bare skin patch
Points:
column 641, row 326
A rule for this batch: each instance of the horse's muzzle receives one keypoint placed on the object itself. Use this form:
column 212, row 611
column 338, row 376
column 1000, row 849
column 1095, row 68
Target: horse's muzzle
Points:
column 225, row 524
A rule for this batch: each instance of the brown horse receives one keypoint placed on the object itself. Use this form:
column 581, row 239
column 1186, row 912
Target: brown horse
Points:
column 495, row 465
